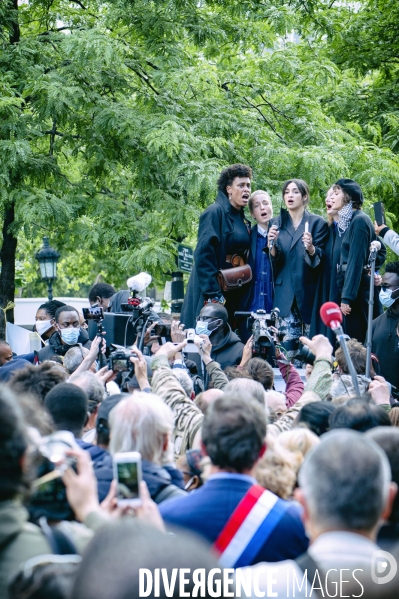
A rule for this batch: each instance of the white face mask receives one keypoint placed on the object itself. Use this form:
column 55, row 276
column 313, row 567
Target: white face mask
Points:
column 42, row 326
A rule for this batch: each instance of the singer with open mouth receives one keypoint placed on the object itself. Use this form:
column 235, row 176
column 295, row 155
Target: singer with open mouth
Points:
column 223, row 243
column 296, row 243
column 357, row 232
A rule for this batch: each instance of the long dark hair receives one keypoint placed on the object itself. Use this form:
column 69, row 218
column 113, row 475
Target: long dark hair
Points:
column 303, row 188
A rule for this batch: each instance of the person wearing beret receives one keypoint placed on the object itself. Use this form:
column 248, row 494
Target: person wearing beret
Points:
column 357, row 232
column 296, row 242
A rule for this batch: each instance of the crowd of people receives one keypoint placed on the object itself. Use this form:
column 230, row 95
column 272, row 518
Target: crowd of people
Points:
column 237, row 477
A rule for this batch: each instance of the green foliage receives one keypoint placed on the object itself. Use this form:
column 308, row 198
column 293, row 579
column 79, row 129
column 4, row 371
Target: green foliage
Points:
column 116, row 117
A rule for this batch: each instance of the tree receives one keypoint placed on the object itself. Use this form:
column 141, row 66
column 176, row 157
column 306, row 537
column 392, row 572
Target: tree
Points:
column 116, row 117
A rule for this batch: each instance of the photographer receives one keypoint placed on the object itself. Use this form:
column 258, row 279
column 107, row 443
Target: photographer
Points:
column 187, row 416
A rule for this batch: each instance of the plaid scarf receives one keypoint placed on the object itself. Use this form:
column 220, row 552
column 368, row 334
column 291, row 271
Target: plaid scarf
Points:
column 345, row 217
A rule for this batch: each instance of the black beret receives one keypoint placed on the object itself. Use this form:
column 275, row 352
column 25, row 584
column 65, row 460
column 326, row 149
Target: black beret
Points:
column 352, row 188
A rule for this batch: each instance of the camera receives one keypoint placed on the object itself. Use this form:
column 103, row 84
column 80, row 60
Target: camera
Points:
column 304, row 354
column 119, row 360
column 94, row 313
column 49, row 498
column 263, row 335
column 137, row 305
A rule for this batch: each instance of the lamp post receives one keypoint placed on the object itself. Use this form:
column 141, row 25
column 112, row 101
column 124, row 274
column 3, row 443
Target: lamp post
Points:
column 48, row 258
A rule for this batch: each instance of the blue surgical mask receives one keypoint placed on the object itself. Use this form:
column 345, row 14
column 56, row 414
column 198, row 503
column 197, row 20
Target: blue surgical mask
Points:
column 202, row 327
column 386, row 298
column 70, row 336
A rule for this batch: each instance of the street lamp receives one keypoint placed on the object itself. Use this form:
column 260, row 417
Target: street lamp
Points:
column 48, row 258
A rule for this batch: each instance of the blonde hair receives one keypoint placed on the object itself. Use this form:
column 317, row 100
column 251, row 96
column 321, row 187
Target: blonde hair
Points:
column 277, row 469
column 298, row 439
column 140, row 423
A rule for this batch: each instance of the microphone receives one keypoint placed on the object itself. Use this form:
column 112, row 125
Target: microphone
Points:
column 271, row 244
column 139, row 282
column 331, row 316
column 375, row 246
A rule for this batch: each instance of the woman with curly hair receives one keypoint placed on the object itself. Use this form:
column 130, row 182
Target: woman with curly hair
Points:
column 223, row 232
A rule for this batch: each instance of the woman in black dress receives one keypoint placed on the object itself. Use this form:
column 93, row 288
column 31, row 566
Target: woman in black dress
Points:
column 223, row 232
column 298, row 238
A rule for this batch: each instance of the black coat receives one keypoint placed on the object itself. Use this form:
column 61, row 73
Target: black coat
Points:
column 354, row 283
column 327, row 288
column 385, row 345
column 215, row 227
column 229, row 351
column 296, row 273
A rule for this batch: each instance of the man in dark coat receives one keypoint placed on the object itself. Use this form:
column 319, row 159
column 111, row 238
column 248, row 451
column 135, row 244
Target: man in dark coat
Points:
column 67, row 335
column 385, row 339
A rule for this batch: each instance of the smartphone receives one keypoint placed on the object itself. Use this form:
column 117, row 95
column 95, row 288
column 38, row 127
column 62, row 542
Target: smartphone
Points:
column 379, row 213
column 127, row 473
column 162, row 329
column 190, row 334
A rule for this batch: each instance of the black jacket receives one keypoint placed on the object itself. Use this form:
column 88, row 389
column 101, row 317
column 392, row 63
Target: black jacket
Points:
column 295, row 272
column 327, row 288
column 385, row 345
column 355, row 251
column 229, row 351
column 56, row 348
column 215, row 226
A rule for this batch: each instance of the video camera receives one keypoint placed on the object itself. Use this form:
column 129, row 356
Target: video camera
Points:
column 262, row 325
column 136, row 304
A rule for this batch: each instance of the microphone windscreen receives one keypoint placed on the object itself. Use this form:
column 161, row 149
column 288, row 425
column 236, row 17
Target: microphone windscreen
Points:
column 376, row 244
column 330, row 313
column 139, row 282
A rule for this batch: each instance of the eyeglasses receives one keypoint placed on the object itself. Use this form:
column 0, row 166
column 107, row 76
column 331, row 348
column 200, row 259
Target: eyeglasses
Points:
column 389, row 288
column 205, row 318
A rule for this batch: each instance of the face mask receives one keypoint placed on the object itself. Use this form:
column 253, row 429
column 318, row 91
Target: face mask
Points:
column 386, row 298
column 42, row 326
column 206, row 328
column 70, row 336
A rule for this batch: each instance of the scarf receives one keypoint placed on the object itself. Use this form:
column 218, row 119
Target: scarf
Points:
column 345, row 217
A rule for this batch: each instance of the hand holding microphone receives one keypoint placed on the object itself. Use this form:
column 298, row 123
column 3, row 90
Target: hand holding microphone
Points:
column 272, row 236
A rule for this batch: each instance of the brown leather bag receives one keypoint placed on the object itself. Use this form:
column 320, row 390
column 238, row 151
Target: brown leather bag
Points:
column 230, row 279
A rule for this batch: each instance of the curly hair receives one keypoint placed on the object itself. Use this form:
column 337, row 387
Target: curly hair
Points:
column 392, row 267
column 228, row 175
column 38, row 380
column 277, row 469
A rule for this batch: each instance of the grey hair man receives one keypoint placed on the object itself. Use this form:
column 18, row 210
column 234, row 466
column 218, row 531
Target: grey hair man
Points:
column 74, row 357
column 144, row 423
column 345, row 489
column 246, row 389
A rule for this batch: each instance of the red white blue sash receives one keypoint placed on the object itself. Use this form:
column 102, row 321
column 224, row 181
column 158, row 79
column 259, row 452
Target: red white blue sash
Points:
column 249, row 527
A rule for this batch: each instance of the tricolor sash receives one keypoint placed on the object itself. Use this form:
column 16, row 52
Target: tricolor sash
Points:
column 249, row 527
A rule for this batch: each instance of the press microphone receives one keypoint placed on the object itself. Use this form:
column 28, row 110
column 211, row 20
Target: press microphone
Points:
column 331, row 316
column 139, row 282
